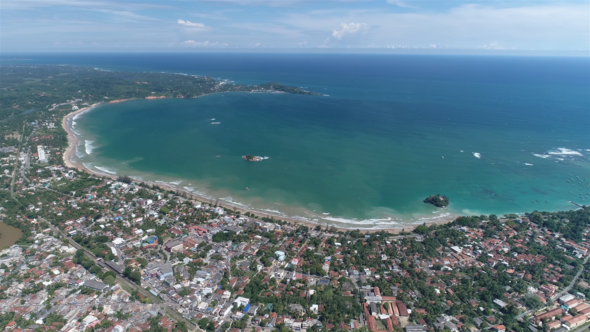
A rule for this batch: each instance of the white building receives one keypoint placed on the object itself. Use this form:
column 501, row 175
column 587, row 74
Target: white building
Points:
column 41, row 152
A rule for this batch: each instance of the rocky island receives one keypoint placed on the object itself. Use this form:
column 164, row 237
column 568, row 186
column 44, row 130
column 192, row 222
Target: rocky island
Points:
column 437, row 200
column 250, row 157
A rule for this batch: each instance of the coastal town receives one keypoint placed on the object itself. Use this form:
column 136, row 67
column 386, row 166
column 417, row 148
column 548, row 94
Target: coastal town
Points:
column 108, row 253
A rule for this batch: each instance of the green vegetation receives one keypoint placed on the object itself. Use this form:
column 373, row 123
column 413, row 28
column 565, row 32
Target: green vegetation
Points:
column 223, row 236
column 273, row 86
column 437, row 200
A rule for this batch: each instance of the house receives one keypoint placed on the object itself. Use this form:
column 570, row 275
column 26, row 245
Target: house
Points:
column 553, row 324
column 576, row 321
column 548, row 314
column 296, row 307
column 499, row 328
column 164, row 271
column 174, row 246
column 415, row 328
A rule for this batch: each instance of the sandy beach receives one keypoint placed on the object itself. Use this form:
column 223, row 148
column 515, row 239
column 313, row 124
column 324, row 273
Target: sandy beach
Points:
column 73, row 142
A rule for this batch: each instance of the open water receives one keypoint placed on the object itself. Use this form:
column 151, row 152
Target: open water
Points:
column 514, row 133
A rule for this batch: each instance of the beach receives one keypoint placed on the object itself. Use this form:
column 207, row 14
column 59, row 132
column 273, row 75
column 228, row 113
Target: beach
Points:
column 362, row 155
column 73, row 141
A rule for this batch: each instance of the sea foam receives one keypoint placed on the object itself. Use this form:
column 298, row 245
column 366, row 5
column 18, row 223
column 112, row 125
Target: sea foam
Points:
column 541, row 155
column 88, row 147
column 565, row 152
column 476, row 154
column 106, row 170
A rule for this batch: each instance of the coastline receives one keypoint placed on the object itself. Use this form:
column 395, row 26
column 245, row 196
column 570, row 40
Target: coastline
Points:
column 73, row 142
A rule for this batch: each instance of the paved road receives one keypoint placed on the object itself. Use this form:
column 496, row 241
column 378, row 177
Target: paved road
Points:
column 16, row 163
column 122, row 281
column 584, row 327
column 571, row 285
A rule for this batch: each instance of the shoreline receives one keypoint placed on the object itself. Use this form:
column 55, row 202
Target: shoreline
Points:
column 73, row 142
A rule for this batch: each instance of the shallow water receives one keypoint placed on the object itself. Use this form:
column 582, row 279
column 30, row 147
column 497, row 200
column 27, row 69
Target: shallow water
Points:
column 512, row 131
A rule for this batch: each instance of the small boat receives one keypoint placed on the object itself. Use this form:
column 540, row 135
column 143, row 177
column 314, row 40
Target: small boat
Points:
column 247, row 188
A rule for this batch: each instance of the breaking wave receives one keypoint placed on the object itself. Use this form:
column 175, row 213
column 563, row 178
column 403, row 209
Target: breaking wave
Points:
column 88, row 147
column 565, row 152
column 106, row 169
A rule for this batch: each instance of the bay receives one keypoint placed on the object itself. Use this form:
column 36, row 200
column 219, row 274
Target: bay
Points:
column 512, row 131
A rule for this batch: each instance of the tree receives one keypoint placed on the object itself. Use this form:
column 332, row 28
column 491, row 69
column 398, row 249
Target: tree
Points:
column 532, row 301
column 181, row 326
column 109, row 280
column 203, row 323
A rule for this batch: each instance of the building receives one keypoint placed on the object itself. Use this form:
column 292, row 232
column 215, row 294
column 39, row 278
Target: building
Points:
column 548, row 314
column 96, row 285
column 117, row 267
column 174, row 246
column 500, row 303
column 499, row 328
column 280, row 255
column 41, row 153
column 415, row 328
column 565, row 298
column 165, row 270
column 576, row 321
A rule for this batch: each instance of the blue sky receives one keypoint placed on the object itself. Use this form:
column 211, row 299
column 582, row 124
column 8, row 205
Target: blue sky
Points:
column 250, row 25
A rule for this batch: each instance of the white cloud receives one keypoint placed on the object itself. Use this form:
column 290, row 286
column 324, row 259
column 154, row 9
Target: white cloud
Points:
column 267, row 28
column 192, row 43
column 492, row 46
column 193, row 25
column 348, row 29
column 399, row 3
column 523, row 27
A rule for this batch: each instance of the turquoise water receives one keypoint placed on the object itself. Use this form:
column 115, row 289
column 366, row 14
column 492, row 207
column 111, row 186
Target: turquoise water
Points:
column 512, row 132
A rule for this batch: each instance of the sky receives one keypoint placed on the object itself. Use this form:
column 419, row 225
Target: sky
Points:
column 294, row 25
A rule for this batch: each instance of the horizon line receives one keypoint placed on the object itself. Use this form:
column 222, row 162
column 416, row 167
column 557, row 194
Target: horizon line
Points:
column 340, row 51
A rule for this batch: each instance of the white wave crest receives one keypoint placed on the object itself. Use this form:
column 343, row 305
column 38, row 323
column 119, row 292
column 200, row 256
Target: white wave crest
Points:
column 374, row 222
column 477, row 154
column 232, row 202
column 541, row 155
column 175, row 182
column 106, row 170
column 88, row 147
column 565, row 152
column 527, row 164
column 274, row 211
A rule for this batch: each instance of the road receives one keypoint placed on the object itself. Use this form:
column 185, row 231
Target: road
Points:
column 124, row 282
column 16, row 163
column 581, row 328
column 567, row 289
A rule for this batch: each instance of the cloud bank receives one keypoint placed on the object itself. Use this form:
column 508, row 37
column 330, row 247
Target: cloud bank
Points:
column 348, row 29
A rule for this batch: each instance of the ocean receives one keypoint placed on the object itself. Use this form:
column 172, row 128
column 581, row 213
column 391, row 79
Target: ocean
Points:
column 494, row 134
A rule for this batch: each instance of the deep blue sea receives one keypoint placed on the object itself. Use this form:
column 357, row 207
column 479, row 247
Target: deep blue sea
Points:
column 494, row 134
